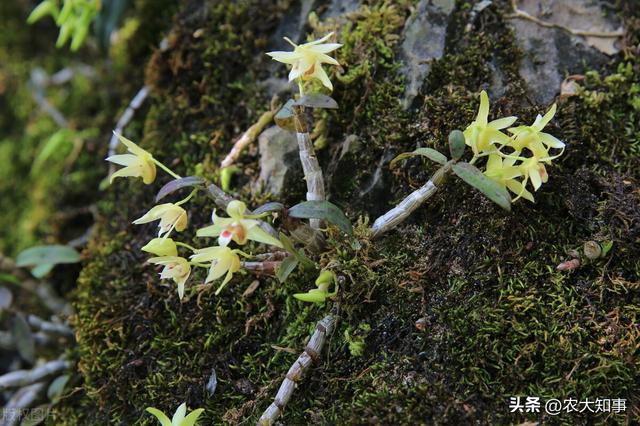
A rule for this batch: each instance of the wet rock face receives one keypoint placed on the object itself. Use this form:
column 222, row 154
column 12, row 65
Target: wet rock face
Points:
column 278, row 160
column 552, row 53
column 423, row 40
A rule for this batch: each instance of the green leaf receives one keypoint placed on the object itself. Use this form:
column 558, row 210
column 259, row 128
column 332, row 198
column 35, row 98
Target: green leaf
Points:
column 313, row 296
column 491, row 189
column 47, row 7
column 606, row 247
column 431, row 154
column 323, row 210
column 456, row 144
column 298, row 254
column 23, row 337
column 60, row 140
column 9, row 278
column 226, row 174
column 57, row 387
column 317, row 100
column 177, row 184
column 285, row 117
column 269, row 207
column 47, row 255
column 42, row 270
column 285, row 269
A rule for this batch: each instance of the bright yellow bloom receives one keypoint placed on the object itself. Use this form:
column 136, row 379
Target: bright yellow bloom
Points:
column 238, row 227
column 505, row 173
column 534, row 139
column 139, row 163
column 481, row 134
column 161, row 247
column 176, row 268
column 179, row 417
column 223, row 260
column 307, row 59
column 170, row 215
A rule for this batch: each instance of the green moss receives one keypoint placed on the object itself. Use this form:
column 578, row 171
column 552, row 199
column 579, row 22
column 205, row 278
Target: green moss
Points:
column 500, row 319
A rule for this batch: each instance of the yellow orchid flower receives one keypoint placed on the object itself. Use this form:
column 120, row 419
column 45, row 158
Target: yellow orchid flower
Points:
column 307, row 59
column 238, row 227
column 534, row 139
column 176, row 268
column 533, row 169
column 138, row 163
column 171, row 217
column 481, row 134
column 161, row 247
column 223, row 260
column 504, row 172
column 179, row 418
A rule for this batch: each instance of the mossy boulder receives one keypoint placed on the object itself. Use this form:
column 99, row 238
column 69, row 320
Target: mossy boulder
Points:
column 497, row 319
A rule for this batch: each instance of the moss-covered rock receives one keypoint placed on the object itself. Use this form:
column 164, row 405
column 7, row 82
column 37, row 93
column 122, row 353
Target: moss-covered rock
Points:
column 497, row 318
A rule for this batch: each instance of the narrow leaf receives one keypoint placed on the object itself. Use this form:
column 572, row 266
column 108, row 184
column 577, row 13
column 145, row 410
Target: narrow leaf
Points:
column 269, row 207
column 313, row 296
column 431, row 154
column 317, row 100
column 285, row 269
column 53, row 255
column 9, row 278
column 456, row 144
column 42, row 270
column 285, row 117
column 177, row 184
column 323, row 210
column 57, row 387
column 23, row 337
column 491, row 189
column 288, row 246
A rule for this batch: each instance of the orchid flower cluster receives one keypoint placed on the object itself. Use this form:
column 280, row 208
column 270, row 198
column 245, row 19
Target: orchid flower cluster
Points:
column 513, row 161
column 240, row 226
column 221, row 260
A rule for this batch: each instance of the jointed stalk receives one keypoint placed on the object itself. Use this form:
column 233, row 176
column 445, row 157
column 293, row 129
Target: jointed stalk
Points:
column 399, row 213
column 310, row 166
column 311, row 354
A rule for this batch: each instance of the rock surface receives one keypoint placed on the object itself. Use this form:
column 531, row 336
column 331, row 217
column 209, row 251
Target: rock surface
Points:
column 278, row 159
column 423, row 41
column 552, row 53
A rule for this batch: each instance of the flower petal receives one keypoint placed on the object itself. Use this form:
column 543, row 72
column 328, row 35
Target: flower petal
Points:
column 551, row 140
column 285, row 57
column 258, row 234
column 483, row 110
column 326, row 48
column 178, row 416
column 124, row 159
column 502, row 123
column 321, row 75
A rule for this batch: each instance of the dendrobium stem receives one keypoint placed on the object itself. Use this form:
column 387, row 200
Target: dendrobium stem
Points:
column 399, row 213
column 311, row 354
column 268, row 267
column 310, row 166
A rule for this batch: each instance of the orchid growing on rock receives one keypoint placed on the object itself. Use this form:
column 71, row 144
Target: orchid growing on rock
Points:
column 512, row 162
